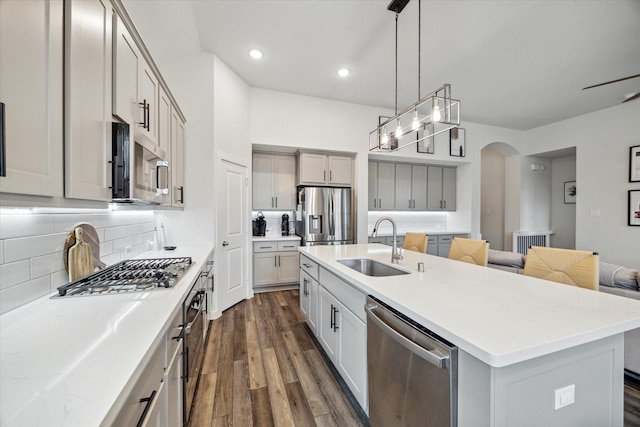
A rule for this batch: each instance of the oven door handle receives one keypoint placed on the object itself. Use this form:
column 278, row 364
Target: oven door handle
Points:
column 187, row 329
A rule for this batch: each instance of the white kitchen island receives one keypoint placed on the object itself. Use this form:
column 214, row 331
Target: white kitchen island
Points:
column 520, row 338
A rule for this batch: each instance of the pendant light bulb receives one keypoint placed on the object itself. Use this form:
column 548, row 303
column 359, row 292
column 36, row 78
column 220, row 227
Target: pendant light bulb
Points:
column 436, row 116
column 415, row 124
column 385, row 136
column 398, row 130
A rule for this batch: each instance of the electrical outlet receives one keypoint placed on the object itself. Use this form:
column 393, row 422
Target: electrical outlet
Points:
column 565, row 396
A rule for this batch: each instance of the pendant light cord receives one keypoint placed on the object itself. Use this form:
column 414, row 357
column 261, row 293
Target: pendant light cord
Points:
column 397, row 63
column 419, row 41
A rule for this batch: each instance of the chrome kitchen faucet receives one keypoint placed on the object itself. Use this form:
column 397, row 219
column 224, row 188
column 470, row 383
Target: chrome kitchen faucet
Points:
column 395, row 254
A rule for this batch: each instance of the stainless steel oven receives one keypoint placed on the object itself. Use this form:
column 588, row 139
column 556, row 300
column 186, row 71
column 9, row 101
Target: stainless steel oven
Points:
column 193, row 320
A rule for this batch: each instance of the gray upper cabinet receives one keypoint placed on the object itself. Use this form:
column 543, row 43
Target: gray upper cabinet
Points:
column 273, row 181
column 31, row 87
column 88, row 53
column 441, row 188
column 411, row 187
column 325, row 169
column 381, row 185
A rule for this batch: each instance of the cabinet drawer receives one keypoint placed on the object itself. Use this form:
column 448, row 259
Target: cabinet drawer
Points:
column 148, row 384
column 310, row 267
column 432, row 240
column 265, row 246
column 349, row 296
column 288, row 245
column 445, row 238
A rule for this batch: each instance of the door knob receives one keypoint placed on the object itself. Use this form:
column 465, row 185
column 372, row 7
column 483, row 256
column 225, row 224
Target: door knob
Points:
column 225, row 243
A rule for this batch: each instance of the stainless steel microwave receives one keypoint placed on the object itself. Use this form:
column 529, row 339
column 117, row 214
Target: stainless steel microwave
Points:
column 140, row 170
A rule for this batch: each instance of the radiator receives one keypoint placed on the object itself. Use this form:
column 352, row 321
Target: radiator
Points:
column 522, row 240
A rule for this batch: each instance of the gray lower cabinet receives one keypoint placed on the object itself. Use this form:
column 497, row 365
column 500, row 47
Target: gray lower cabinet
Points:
column 438, row 244
column 334, row 311
column 275, row 263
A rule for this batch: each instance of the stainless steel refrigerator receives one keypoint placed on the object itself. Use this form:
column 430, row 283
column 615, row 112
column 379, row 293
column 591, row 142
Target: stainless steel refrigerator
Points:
column 325, row 216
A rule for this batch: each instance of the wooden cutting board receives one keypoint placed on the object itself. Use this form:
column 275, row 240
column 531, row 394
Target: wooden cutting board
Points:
column 90, row 236
column 80, row 259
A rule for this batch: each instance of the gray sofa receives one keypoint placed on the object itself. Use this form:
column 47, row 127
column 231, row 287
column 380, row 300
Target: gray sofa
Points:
column 614, row 279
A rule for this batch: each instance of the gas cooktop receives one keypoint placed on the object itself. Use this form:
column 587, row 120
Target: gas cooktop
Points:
column 129, row 276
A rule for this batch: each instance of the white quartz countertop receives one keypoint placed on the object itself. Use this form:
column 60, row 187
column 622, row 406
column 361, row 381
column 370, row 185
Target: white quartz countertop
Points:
column 69, row 361
column 275, row 238
column 498, row 317
column 389, row 233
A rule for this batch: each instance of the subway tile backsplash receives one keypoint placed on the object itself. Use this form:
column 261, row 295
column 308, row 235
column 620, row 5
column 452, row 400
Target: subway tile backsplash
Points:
column 408, row 221
column 31, row 248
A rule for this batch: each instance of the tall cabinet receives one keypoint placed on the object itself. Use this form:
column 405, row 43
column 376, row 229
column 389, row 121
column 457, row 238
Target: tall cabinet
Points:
column 31, row 88
column 411, row 187
column 381, row 185
column 88, row 39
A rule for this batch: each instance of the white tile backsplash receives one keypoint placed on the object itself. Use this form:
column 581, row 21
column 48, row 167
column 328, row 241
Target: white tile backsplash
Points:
column 13, row 273
column 31, row 248
column 408, row 221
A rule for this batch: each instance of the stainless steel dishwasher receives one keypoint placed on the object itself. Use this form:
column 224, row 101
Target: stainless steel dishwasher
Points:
column 412, row 372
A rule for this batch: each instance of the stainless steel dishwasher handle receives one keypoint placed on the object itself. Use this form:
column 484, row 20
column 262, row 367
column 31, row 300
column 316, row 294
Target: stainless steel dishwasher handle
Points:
column 434, row 359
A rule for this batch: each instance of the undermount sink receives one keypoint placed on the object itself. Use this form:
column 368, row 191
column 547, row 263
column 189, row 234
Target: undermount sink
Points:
column 371, row 267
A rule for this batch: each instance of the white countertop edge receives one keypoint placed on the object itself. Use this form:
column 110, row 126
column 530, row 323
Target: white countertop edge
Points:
column 389, row 233
column 275, row 238
column 494, row 360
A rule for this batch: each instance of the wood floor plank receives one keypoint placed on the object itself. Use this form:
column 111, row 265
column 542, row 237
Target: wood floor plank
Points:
column 302, row 336
column 239, row 335
column 221, row 422
column 282, row 415
column 212, row 354
column 249, row 312
column 242, row 413
column 280, row 298
column 294, row 302
column 224, row 388
column 325, row 421
column 227, row 319
column 273, row 322
column 261, row 408
column 316, row 400
column 257, row 378
column 202, row 413
column 300, row 410
column 340, row 409
column 263, row 333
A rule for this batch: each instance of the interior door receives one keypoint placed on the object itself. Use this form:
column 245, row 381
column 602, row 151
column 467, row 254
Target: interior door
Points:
column 232, row 233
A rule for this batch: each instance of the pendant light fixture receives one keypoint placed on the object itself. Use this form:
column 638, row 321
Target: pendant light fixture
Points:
column 434, row 113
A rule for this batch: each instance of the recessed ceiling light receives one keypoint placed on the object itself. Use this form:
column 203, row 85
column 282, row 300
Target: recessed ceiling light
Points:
column 343, row 72
column 255, row 54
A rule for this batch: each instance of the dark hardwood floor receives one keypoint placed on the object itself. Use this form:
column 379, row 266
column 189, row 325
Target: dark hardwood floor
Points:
column 262, row 368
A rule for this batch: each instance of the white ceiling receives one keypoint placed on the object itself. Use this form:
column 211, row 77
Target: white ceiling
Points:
column 515, row 63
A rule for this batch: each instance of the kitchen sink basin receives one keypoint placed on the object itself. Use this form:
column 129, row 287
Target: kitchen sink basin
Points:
column 371, row 267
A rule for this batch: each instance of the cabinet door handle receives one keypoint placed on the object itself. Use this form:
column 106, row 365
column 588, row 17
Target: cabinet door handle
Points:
column 275, row 260
column 330, row 176
column 331, row 317
column 279, row 261
column 276, row 202
column 445, row 204
column 181, row 188
column 304, row 287
column 306, row 265
column 149, row 401
column 335, row 320
column 324, row 175
column 3, row 141
column 145, row 114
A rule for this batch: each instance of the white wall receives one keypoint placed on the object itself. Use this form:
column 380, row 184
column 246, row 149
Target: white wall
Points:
column 535, row 194
column 602, row 140
column 563, row 216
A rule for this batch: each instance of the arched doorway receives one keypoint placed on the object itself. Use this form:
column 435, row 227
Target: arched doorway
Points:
column 496, row 194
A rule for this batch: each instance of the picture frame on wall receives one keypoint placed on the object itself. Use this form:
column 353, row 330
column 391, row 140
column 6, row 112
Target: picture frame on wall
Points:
column 634, row 208
column 457, row 142
column 427, row 145
column 634, row 163
column 570, row 192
